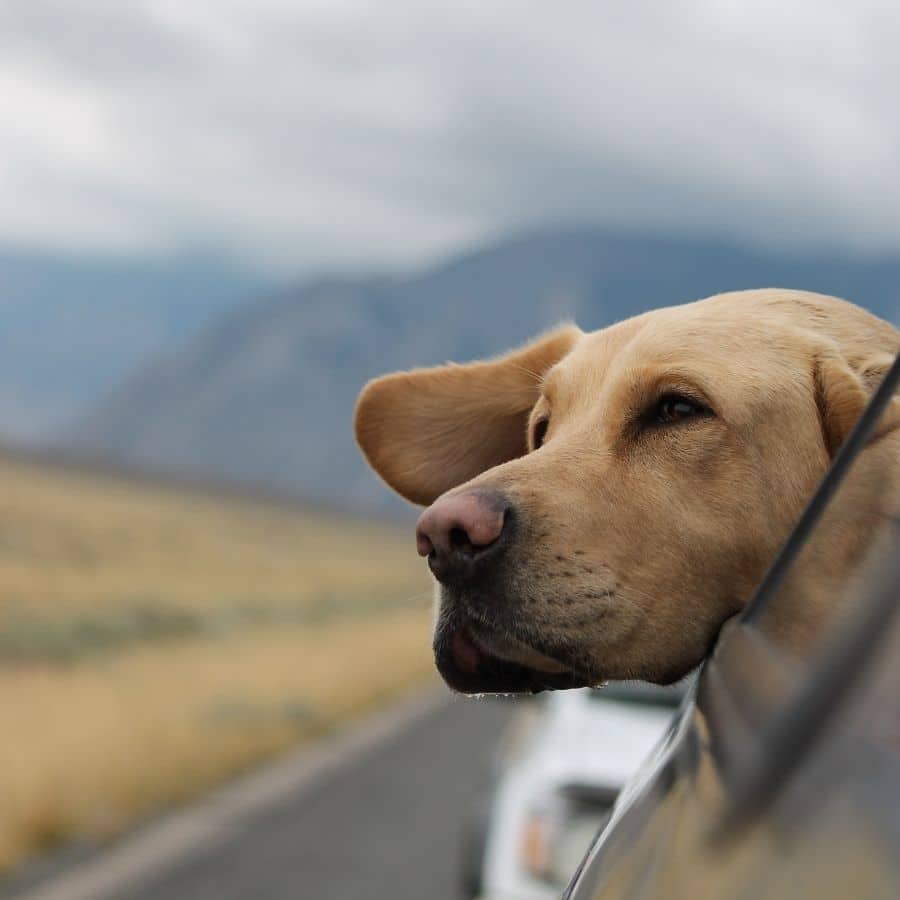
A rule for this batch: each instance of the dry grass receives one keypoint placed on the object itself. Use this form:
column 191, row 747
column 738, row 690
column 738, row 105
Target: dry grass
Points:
column 152, row 642
column 72, row 542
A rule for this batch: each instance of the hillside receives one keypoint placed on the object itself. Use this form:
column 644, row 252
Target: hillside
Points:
column 71, row 328
column 155, row 640
column 266, row 396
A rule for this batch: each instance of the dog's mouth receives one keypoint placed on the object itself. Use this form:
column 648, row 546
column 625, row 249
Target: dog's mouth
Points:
column 475, row 660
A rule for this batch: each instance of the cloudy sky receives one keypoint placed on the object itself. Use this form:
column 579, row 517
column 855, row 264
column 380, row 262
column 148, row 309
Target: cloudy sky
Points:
column 302, row 134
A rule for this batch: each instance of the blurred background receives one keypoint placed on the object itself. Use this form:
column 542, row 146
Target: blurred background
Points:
column 218, row 218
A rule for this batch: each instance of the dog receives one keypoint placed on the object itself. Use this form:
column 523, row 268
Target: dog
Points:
column 600, row 503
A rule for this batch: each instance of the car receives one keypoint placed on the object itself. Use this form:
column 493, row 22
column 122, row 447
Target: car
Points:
column 554, row 790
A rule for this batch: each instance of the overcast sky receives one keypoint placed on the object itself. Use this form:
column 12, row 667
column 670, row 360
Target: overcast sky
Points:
column 304, row 134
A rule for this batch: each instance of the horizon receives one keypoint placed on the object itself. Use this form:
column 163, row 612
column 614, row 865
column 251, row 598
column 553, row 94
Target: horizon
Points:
column 78, row 328
column 189, row 260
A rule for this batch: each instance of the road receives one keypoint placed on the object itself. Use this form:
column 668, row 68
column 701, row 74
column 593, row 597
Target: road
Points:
column 384, row 824
column 387, row 826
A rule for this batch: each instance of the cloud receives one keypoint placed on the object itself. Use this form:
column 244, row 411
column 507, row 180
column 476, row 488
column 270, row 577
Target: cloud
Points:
column 304, row 135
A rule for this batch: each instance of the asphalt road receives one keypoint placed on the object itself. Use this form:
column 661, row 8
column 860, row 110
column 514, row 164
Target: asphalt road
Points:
column 387, row 825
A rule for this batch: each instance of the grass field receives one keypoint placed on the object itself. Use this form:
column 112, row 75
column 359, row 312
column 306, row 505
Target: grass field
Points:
column 155, row 640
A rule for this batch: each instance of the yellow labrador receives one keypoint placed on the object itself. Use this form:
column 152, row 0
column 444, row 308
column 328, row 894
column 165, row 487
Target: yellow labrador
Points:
column 601, row 502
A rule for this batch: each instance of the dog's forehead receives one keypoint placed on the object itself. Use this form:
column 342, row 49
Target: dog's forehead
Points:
column 592, row 355
column 690, row 336
column 709, row 345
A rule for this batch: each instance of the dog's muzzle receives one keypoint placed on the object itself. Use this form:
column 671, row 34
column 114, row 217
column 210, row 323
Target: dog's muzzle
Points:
column 469, row 665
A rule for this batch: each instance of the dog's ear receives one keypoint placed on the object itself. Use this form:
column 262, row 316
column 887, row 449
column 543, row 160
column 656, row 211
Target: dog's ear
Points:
column 842, row 392
column 428, row 430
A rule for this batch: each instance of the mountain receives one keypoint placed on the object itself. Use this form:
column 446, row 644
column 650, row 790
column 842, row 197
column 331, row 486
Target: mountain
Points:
column 71, row 328
column 266, row 396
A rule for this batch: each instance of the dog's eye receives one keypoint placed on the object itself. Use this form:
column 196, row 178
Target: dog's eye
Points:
column 675, row 408
column 540, row 432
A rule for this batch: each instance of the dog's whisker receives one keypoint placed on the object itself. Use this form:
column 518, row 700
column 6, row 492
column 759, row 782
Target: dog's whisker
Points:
column 525, row 370
column 416, row 598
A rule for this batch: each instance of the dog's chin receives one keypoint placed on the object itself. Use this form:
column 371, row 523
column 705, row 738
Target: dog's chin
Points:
column 474, row 661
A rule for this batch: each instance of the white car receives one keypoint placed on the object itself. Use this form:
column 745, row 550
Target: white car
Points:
column 562, row 764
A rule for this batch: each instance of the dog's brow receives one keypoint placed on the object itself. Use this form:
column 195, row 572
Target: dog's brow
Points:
column 546, row 386
column 559, row 382
column 549, row 383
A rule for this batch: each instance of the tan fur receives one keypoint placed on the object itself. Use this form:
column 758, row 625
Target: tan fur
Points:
column 427, row 431
column 637, row 543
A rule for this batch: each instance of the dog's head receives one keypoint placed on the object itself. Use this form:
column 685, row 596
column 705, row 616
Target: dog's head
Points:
column 601, row 502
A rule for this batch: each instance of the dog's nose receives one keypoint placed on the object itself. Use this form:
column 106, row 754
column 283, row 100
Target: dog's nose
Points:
column 461, row 532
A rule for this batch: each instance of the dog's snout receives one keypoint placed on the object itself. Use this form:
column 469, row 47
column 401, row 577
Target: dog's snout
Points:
column 460, row 532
